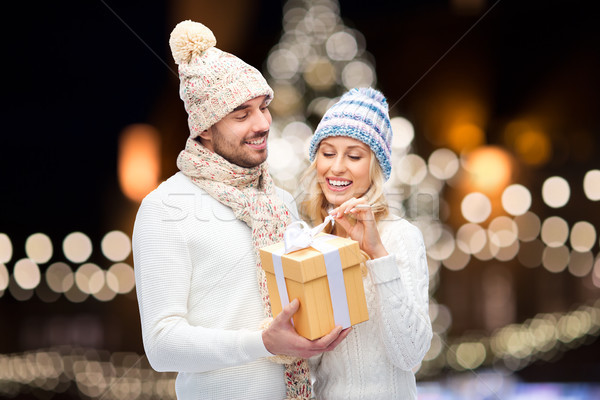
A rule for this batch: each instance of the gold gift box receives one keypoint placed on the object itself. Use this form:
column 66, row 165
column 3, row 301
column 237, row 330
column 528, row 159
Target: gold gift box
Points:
column 306, row 279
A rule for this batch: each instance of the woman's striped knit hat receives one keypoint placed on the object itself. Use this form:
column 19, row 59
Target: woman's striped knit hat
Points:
column 362, row 114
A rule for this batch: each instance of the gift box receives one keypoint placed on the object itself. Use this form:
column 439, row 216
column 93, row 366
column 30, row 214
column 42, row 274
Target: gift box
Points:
column 327, row 282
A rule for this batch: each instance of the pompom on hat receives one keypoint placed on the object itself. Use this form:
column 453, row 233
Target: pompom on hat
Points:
column 362, row 114
column 212, row 82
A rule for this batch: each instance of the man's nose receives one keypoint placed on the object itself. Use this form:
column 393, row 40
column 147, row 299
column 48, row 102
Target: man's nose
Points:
column 261, row 121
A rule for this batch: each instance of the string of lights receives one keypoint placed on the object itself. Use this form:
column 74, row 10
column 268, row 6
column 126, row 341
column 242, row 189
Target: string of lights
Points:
column 87, row 372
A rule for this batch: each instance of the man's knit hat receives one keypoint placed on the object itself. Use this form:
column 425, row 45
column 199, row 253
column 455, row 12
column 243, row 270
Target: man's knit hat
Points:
column 362, row 114
column 212, row 82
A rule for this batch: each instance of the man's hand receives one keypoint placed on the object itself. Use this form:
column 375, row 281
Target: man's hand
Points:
column 281, row 337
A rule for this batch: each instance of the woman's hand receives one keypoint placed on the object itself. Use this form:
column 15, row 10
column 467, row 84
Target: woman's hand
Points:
column 364, row 229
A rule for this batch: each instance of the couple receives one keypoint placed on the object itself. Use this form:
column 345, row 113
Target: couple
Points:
column 202, row 294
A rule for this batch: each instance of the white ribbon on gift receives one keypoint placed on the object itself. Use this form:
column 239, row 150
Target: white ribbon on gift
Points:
column 299, row 236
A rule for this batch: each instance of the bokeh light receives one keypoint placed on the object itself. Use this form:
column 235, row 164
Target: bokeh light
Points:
column 464, row 137
column 319, row 74
column 581, row 263
column 341, row 46
column 120, row 278
column 555, row 259
column 139, row 160
column 556, row 191
column 489, row 168
column 432, row 231
column 457, row 260
column 89, row 278
column 528, row 225
column 555, row 231
column 471, row 238
column 506, row 253
column 476, row 207
column 411, row 169
column 596, row 272
column 26, row 274
column 583, row 236
column 116, row 246
column 59, row 277
column 283, row 155
column 77, row 247
column 591, row 184
column 358, row 74
column 74, row 295
column 299, row 130
column 443, row 319
column 6, row 249
column 470, row 355
column 105, row 293
column 404, row 133
column 319, row 107
column 444, row 246
column 516, row 199
column 288, row 99
column 533, row 147
column 488, row 251
column 283, row 64
column 435, row 348
column 443, row 164
column 4, row 278
column 503, row 231
column 38, row 248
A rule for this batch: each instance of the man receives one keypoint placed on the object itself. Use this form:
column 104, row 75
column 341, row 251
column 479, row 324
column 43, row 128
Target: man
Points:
column 201, row 291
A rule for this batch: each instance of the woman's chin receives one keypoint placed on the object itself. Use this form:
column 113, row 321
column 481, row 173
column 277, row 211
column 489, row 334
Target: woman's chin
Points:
column 336, row 199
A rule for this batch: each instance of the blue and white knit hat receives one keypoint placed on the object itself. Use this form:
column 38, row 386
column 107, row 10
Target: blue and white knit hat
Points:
column 362, row 114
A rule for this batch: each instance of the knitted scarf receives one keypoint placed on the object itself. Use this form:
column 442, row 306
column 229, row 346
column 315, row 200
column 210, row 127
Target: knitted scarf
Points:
column 250, row 193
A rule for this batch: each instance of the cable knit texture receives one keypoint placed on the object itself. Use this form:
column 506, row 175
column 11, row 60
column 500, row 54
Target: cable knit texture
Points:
column 200, row 307
column 376, row 360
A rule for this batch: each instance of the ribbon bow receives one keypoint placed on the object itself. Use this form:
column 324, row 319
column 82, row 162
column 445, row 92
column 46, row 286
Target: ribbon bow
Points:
column 299, row 236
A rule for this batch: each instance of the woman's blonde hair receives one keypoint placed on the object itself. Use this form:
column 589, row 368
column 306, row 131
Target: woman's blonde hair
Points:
column 314, row 206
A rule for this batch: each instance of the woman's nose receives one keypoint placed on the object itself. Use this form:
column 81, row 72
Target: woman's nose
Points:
column 338, row 165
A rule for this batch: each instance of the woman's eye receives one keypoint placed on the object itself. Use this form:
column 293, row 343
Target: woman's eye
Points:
column 328, row 154
column 355, row 158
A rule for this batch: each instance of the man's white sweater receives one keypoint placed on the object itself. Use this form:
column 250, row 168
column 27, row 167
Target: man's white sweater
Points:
column 197, row 289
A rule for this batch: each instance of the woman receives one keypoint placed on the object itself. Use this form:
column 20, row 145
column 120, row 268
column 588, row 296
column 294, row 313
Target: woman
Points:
column 350, row 153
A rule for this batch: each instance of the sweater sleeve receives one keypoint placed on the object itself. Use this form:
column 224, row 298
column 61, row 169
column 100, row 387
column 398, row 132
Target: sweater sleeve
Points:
column 401, row 284
column 163, row 272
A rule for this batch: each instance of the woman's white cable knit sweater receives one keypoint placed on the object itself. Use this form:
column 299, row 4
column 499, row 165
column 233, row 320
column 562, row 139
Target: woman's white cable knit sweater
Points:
column 375, row 361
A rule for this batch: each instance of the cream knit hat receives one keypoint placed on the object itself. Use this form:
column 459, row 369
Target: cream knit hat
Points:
column 212, row 82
